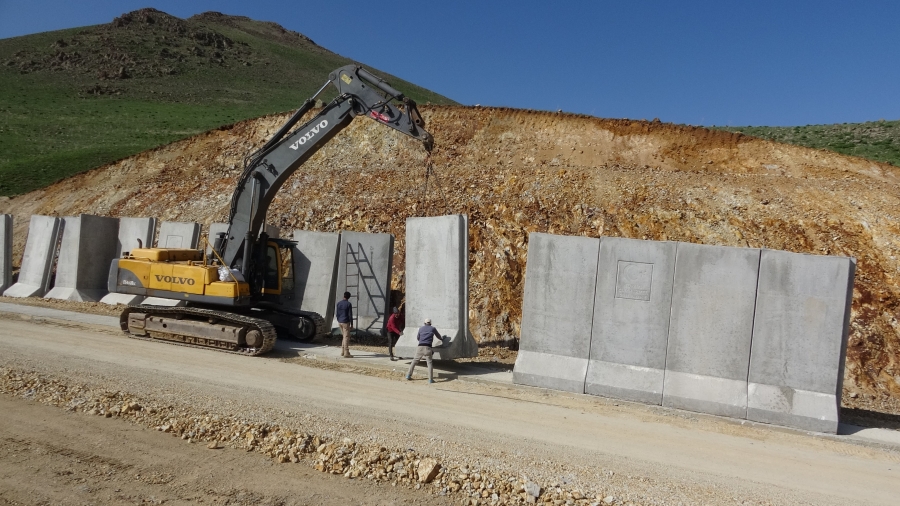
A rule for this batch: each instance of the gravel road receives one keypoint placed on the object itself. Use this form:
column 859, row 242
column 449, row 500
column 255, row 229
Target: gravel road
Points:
column 381, row 440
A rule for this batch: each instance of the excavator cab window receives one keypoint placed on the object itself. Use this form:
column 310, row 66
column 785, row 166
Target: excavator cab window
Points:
column 287, row 271
column 272, row 279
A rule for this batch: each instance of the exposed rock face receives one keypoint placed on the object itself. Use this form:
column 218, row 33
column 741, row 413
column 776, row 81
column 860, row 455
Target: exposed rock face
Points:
column 515, row 172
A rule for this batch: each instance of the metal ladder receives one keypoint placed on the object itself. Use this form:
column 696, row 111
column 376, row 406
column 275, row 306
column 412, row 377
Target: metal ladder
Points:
column 351, row 280
column 355, row 277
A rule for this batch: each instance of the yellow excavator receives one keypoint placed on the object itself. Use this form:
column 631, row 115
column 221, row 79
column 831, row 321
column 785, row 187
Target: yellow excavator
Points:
column 236, row 298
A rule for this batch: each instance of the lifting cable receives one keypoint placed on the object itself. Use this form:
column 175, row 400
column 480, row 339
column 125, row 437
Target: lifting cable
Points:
column 429, row 171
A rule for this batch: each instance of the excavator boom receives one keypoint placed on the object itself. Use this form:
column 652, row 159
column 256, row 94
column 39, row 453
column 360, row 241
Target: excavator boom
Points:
column 360, row 94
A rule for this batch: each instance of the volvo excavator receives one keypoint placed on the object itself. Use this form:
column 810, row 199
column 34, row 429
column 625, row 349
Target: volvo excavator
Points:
column 236, row 300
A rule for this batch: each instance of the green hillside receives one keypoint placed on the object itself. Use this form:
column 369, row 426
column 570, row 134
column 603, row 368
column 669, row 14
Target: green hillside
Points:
column 72, row 100
column 875, row 140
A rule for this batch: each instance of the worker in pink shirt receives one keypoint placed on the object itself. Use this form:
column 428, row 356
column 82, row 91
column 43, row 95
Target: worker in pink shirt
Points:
column 395, row 325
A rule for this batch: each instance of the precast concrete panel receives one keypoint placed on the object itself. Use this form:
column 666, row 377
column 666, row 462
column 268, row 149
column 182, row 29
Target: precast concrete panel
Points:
column 557, row 312
column 437, row 285
column 708, row 354
column 89, row 244
column 273, row 231
column 37, row 260
column 800, row 340
column 175, row 234
column 6, row 239
column 631, row 319
column 315, row 272
column 214, row 230
column 133, row 233
column 364, row 270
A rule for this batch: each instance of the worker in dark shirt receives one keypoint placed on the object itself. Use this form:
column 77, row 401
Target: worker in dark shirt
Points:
column 343, row 312
column 426, row 336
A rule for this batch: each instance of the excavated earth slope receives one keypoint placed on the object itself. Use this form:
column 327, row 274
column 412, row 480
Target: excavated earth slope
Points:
column 515, row 172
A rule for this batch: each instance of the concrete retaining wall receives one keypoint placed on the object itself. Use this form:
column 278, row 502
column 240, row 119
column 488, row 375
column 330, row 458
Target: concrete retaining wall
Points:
column 37, row 260
column 557, row 312
column 631, row 319
column 708, row 354
column 728, row 331
column 315, row 272
column 800, row 340
column 371, row 257
column 437, row 285
column 89, row 244
column 175, row 234
column 133, row 233
column 6, row 240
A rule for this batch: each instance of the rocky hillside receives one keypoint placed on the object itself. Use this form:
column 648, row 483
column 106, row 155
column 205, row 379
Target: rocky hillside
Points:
column 515, row 172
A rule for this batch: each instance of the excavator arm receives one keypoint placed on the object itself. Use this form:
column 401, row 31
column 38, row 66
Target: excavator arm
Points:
column 360, row 93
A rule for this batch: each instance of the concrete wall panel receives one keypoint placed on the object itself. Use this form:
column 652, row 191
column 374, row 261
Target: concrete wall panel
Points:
column 800, row 340
column 315, row 272
column 557, row 312
column 133, row 229
column 711, row 326
column 370, row 256
column 89, row 244
column 213, row 234
column 437, row 285
column 37, row 260
column 631, row 319
column 6, row 239
column 133, row 233
column 175, row 234
column 214, row 229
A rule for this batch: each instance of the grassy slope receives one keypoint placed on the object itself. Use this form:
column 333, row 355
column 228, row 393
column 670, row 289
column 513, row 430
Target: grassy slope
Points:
column 64, row 107
column 875, row 140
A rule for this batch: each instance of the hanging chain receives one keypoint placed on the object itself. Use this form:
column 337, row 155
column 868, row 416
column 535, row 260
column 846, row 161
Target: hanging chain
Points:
column 429, row 172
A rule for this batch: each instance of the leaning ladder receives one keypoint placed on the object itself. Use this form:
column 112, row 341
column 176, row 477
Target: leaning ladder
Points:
column 351, row 280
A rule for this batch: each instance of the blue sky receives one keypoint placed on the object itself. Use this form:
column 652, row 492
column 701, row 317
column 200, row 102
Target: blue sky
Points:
column 703, row 62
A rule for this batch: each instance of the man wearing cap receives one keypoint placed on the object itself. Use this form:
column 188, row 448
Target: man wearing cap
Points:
column 395, row 325
column 343, row 313
column 426, row 336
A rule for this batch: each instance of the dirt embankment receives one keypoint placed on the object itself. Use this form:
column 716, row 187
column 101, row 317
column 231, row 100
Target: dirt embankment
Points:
column 515, row 172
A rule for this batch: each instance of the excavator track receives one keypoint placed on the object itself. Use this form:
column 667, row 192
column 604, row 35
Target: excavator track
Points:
column 321, row 329
column 265, row 328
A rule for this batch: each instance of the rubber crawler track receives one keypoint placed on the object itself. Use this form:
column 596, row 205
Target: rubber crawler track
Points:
column 321, row 330
column 264, row 327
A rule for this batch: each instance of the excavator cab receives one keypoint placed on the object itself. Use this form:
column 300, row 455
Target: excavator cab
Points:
column 272, row 276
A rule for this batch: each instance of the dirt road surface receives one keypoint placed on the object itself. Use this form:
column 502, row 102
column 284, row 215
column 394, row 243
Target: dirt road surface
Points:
column 620, row 452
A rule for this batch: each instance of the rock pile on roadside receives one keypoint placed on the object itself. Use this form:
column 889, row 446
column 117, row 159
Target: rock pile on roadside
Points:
column 345, row 456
